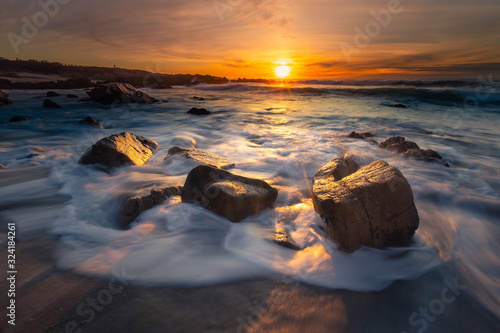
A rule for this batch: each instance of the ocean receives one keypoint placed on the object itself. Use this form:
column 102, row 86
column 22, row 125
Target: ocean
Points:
column 282, row 134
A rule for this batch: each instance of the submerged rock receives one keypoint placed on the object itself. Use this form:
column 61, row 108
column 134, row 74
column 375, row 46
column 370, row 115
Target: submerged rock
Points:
column 399, row 144
column 199, row 157
column 229, row 195
column 16, row 119
column 362, row 136
column 199, row 111
column 144, row 200
column 117, row 93
column 120, row 149
column 410, row 149
column 282, row 238
column 90, row 121
column 71, row 96
column 52, row 94
column 4, row 98
column 198, row 98
column 428, row 155
column 371, row 207
column 47, row 103
column 398, row 105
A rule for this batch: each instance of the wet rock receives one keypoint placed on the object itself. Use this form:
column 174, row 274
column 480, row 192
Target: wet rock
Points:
column 428, row 155
column 2, row 166
column 362, row 136
column 398, row 105
column 90, row 121
column 229, row 195
column 47, row 103
column 199, row 157
column 71, row 96
column 144, row 200
column 337, row 169
column 16, row 119
column 52, row 94
column 118, row 93
column 282, row 238
column 198, row 98
column 120, row 149
column 199, row 111
column 399, row 144
column 4, row 98
column 372, row 207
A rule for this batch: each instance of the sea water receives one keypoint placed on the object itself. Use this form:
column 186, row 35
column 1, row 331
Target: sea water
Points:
column 282, row 134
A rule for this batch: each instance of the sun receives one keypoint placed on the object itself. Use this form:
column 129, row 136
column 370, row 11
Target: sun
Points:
column 282, row 71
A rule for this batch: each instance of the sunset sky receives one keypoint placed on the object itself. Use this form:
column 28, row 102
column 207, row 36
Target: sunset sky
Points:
column 250, row 38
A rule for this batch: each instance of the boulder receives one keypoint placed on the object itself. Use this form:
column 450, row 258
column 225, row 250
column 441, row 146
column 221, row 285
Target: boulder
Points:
column 52, row 94
column 16, row 119
column 362, row 136
column 47, row 103
column 144, row 200
column 399, row 144
column 337, row 169
column 116, row 93
column 199, row 157
column 91, row 122
column 371, row 207
column 229, row 195
column 199, row 112
column 428, row 155
column 282, row 238
column 120, row 149
column 4, row 98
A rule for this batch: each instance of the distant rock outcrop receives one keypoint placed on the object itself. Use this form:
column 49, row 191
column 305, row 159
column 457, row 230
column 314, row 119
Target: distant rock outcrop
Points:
column 144, row 200
column 199, row 111
column 229, row 195
column 4, row 98
column 47, row 103
column 91, row 122
column 52, row 94
column 120, row 149
column 410, row 149
column 371, row 207
column 16, row 119
column 199, row 157
column 117, row 93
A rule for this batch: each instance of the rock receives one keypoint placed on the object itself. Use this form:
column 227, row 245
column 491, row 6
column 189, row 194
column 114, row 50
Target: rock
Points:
column 16, row 119
column 229, row 195
column 198, row 98
column 52, row 94
column 2, row 166
column 71, row 96
column 4, row 98
column 399, row 105
column 144, row 200
column 428, row 155
column 200, row 157
column 183, row 141
column 116, row 93
column 372, row 207
column 90, row 121
column 399, row 144
column 355, row 135
column 282, row 238
column 199, row 112
column 367, row 134
column 120, row 149
column 337, row 169
column 47, row 103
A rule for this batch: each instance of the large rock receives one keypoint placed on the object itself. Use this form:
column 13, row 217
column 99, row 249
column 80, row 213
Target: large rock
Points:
column 399, row 144
column 120, row 149
column 116, row 93
column 232, row 196
column 199, row 157
column 337, row 169
column 144, row 200
column 371, row 207
column 4, row 98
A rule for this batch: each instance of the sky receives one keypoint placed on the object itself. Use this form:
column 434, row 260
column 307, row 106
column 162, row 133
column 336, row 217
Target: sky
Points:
column 250, row 38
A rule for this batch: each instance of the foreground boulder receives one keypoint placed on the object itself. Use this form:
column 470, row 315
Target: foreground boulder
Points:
column 4, row 98
column 47, row 103
column 144, row 200
column 199, row 157
column 120, row 149
column 229, row 195
column 117, row 93
column 371, row 207
column 91, row 122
